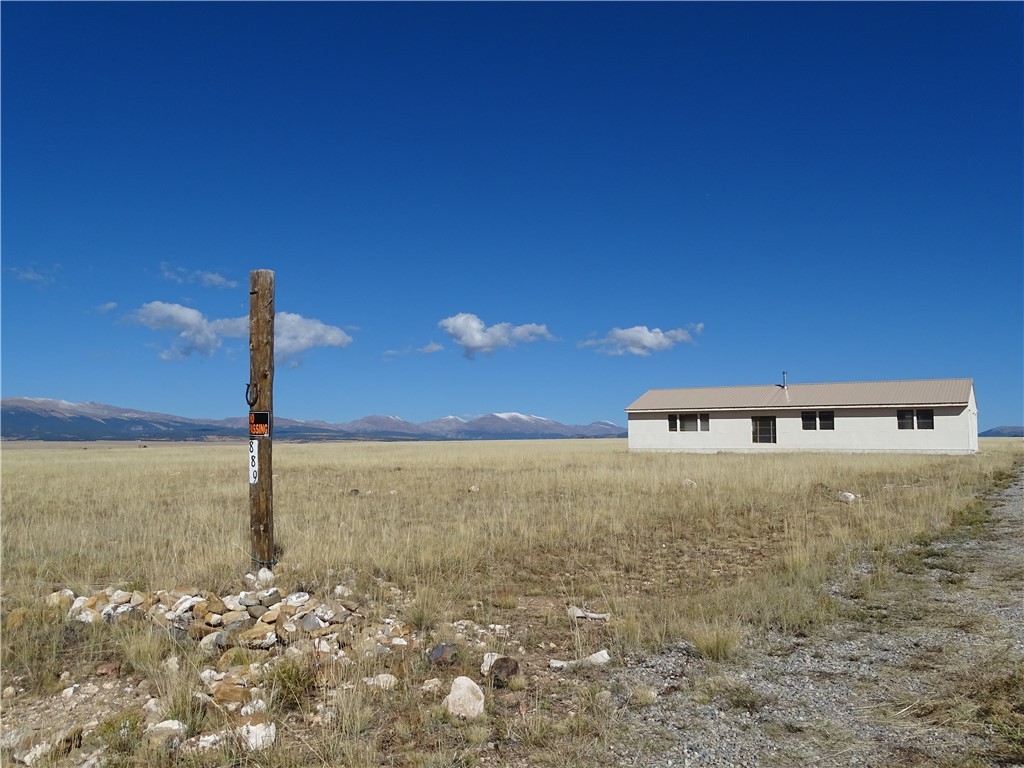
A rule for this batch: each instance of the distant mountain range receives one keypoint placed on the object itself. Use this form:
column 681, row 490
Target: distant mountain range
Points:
column 30, row 418
column 1003, row 432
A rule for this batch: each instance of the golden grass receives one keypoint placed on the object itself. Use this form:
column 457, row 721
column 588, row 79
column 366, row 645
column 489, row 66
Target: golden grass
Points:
column 573, row 521
column 552, row 524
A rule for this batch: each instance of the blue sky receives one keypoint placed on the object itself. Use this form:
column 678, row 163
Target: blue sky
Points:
column 543, row 208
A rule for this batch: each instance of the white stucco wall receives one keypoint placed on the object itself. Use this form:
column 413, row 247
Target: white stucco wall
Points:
column 856, row 430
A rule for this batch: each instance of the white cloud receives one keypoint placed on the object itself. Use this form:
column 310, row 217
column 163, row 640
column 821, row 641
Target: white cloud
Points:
column 293, row 334
column 431, row 348
column 641, row 340
column 207, row 279
column 195, row 333
column 32, row 275
column 110, row 306
column 469, row 332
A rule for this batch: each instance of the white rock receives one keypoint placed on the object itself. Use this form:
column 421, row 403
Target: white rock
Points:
column 265, row 577
column 385, row 681
column 115, row 611
column 594, row 659
column 37, row 752
column 56, row 598
column 76, row 606
column 466, row 699
column 68, row 692
column 258, row 735
column 688, row 483
column 848, row 497
column 432, row 685
column 232, row 603
column 489, row 658
column 474, row 489
column 297, row 598
column 254, row 706
column 211, row 676
column 578, row 613
column 152, row 707
column 185, row 604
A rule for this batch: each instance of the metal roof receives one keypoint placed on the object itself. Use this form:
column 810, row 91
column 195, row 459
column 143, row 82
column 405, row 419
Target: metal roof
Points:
column 870, row 394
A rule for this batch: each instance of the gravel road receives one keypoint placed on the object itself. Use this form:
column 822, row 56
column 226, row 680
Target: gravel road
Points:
column 892, row 690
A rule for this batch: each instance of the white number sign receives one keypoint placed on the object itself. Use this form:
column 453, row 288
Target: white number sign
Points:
column 254, row 461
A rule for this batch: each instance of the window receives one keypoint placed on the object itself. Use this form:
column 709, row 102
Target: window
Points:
column 689, row 422
column 924, row 417
column 763, row 429
column 818, row 419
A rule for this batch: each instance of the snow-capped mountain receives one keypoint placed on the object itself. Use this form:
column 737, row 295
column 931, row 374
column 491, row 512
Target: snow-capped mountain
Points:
column 29, row 418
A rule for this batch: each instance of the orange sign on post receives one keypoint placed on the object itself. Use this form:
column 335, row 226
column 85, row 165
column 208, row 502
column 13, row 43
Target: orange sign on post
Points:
column 259, row 423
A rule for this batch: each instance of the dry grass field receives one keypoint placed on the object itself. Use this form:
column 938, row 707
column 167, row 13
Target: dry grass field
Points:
column 675, row 547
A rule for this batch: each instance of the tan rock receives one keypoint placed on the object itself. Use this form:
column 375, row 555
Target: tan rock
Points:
column 97, row 601
column 214, row 604
column 226, row 692
column 197, row 630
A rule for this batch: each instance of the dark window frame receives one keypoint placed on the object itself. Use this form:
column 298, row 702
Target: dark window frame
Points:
column 925, row 418
column 764, row 429
column 689, row 422
column 809, row 420
column 827, row 420
column 904, row 418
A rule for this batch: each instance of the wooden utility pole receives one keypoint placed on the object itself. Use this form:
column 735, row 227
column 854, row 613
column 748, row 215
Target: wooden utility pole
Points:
column 259, row 394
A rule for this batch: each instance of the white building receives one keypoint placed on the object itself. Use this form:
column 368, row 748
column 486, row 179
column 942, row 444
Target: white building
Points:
column 931, row 416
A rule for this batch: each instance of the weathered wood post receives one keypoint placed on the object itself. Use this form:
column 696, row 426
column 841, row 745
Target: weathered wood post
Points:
column 259, row 394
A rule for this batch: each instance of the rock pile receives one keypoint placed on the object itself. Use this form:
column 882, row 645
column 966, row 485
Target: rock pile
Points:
column 263, row 618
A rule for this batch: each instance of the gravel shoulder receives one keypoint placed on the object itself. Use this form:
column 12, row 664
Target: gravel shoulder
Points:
column 906, row 677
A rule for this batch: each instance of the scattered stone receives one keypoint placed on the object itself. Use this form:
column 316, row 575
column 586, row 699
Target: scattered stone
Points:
column 385, row 681
column 229, row 693
column 595, row 659
column 503, row 670
column 579, row 613
column 847, row 497
column 61, row 599
column 688, row 483
column 257, row 736
column 443, row 654
column 432, row 685
column 109, row 669
column 265, row 577
column 466, row 699
column 166, row 735
column 474, row 489
column 213, row 643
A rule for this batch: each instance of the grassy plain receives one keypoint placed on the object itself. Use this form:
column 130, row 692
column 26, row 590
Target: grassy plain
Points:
column 676, row 547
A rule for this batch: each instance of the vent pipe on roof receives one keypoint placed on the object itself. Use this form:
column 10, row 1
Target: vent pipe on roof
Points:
column 785, row 384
